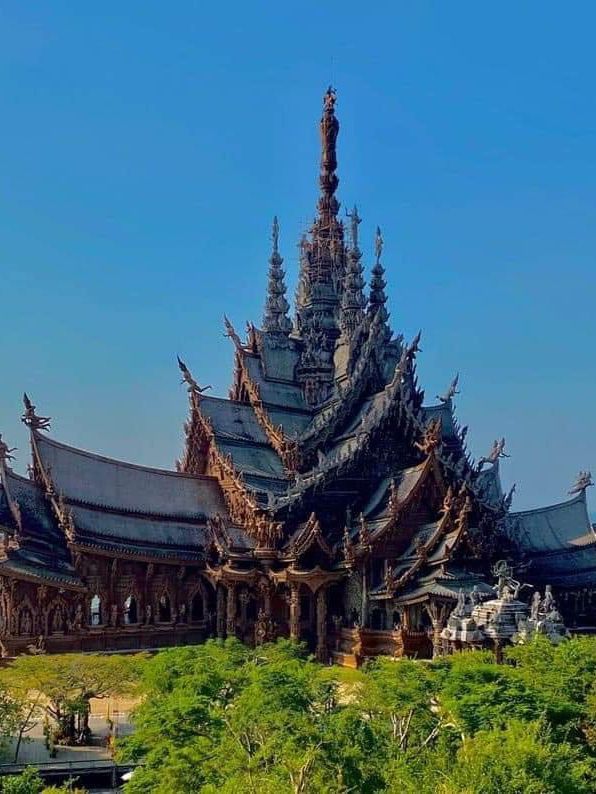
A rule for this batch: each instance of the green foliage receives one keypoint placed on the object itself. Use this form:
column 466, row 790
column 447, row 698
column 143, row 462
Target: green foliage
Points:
column 12, row 713
column 221, row 718
column 28, row 782
column 65, row 683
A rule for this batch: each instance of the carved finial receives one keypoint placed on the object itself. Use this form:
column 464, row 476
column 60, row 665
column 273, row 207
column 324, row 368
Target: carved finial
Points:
column 330, row 99
column 193, row 387
column 355, row 221
column 451, row 391
column 583, row 481
column 378, row 245
column 6, row 451
column 31, row 419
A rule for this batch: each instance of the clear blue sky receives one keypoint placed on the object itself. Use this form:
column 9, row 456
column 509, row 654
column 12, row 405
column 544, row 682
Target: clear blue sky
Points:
column 145, row 147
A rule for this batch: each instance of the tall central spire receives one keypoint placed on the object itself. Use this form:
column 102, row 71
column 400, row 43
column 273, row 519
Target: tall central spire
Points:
column 322, row 270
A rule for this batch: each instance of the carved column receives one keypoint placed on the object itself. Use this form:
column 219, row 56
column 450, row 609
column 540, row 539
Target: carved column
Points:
column 220, row 615
column 244, row 599
column 294, row 612
column 231, row 610
column 364, row 608
column 438, row 612
column 147, row 593
column 321, row 651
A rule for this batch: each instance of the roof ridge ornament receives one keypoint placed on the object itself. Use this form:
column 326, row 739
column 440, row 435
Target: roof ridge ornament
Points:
column 193, row 387
column 31, row 419
column 451, row 391
column 497, row 452
column 378, row 245
column 582, row 483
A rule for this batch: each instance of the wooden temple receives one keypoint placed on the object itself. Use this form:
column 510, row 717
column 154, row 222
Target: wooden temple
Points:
column 322, row 500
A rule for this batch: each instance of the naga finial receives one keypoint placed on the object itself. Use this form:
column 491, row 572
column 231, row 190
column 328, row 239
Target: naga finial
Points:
column 583, row 481
column 378, row 244
column 31, row 419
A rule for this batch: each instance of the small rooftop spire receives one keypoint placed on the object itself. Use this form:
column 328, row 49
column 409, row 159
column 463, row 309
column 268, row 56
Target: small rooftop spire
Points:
column 275, row 316
column 353, row 302
column 378, row 298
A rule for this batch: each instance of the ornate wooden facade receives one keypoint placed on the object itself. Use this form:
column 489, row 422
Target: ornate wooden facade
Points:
column 321, row 501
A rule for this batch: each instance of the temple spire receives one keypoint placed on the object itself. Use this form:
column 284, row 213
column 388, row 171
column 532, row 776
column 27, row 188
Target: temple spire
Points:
column 378, row 298
column 323, row 262
column 353, row 301
column 275, row 316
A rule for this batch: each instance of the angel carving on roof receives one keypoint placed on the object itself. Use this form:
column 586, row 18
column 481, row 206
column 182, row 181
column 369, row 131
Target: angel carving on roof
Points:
column 497, row 452
column 193, row 386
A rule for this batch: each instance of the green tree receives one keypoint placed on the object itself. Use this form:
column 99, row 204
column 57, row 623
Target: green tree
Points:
column 519, row 759
column 65, row 684
column 28, row 782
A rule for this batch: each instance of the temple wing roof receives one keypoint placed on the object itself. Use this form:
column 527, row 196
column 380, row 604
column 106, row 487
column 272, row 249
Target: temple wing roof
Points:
column 558, row 527
column 405, row 482
column 183, row 537
column 275, row 392
column 444, row 412
column 279, row 361
column 237, row 421
column 42, row 552
column 95, row 480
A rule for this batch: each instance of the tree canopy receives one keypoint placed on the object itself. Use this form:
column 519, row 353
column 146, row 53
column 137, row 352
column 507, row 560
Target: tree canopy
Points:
column 224, row 718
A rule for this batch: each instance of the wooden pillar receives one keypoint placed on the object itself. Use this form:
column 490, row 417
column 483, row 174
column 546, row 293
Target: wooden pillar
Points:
column 220, row 614
column 437, row 611
column 321, row 651
column 364, row 607
column 294, row 612
column 244, row 598
column 231, row 610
